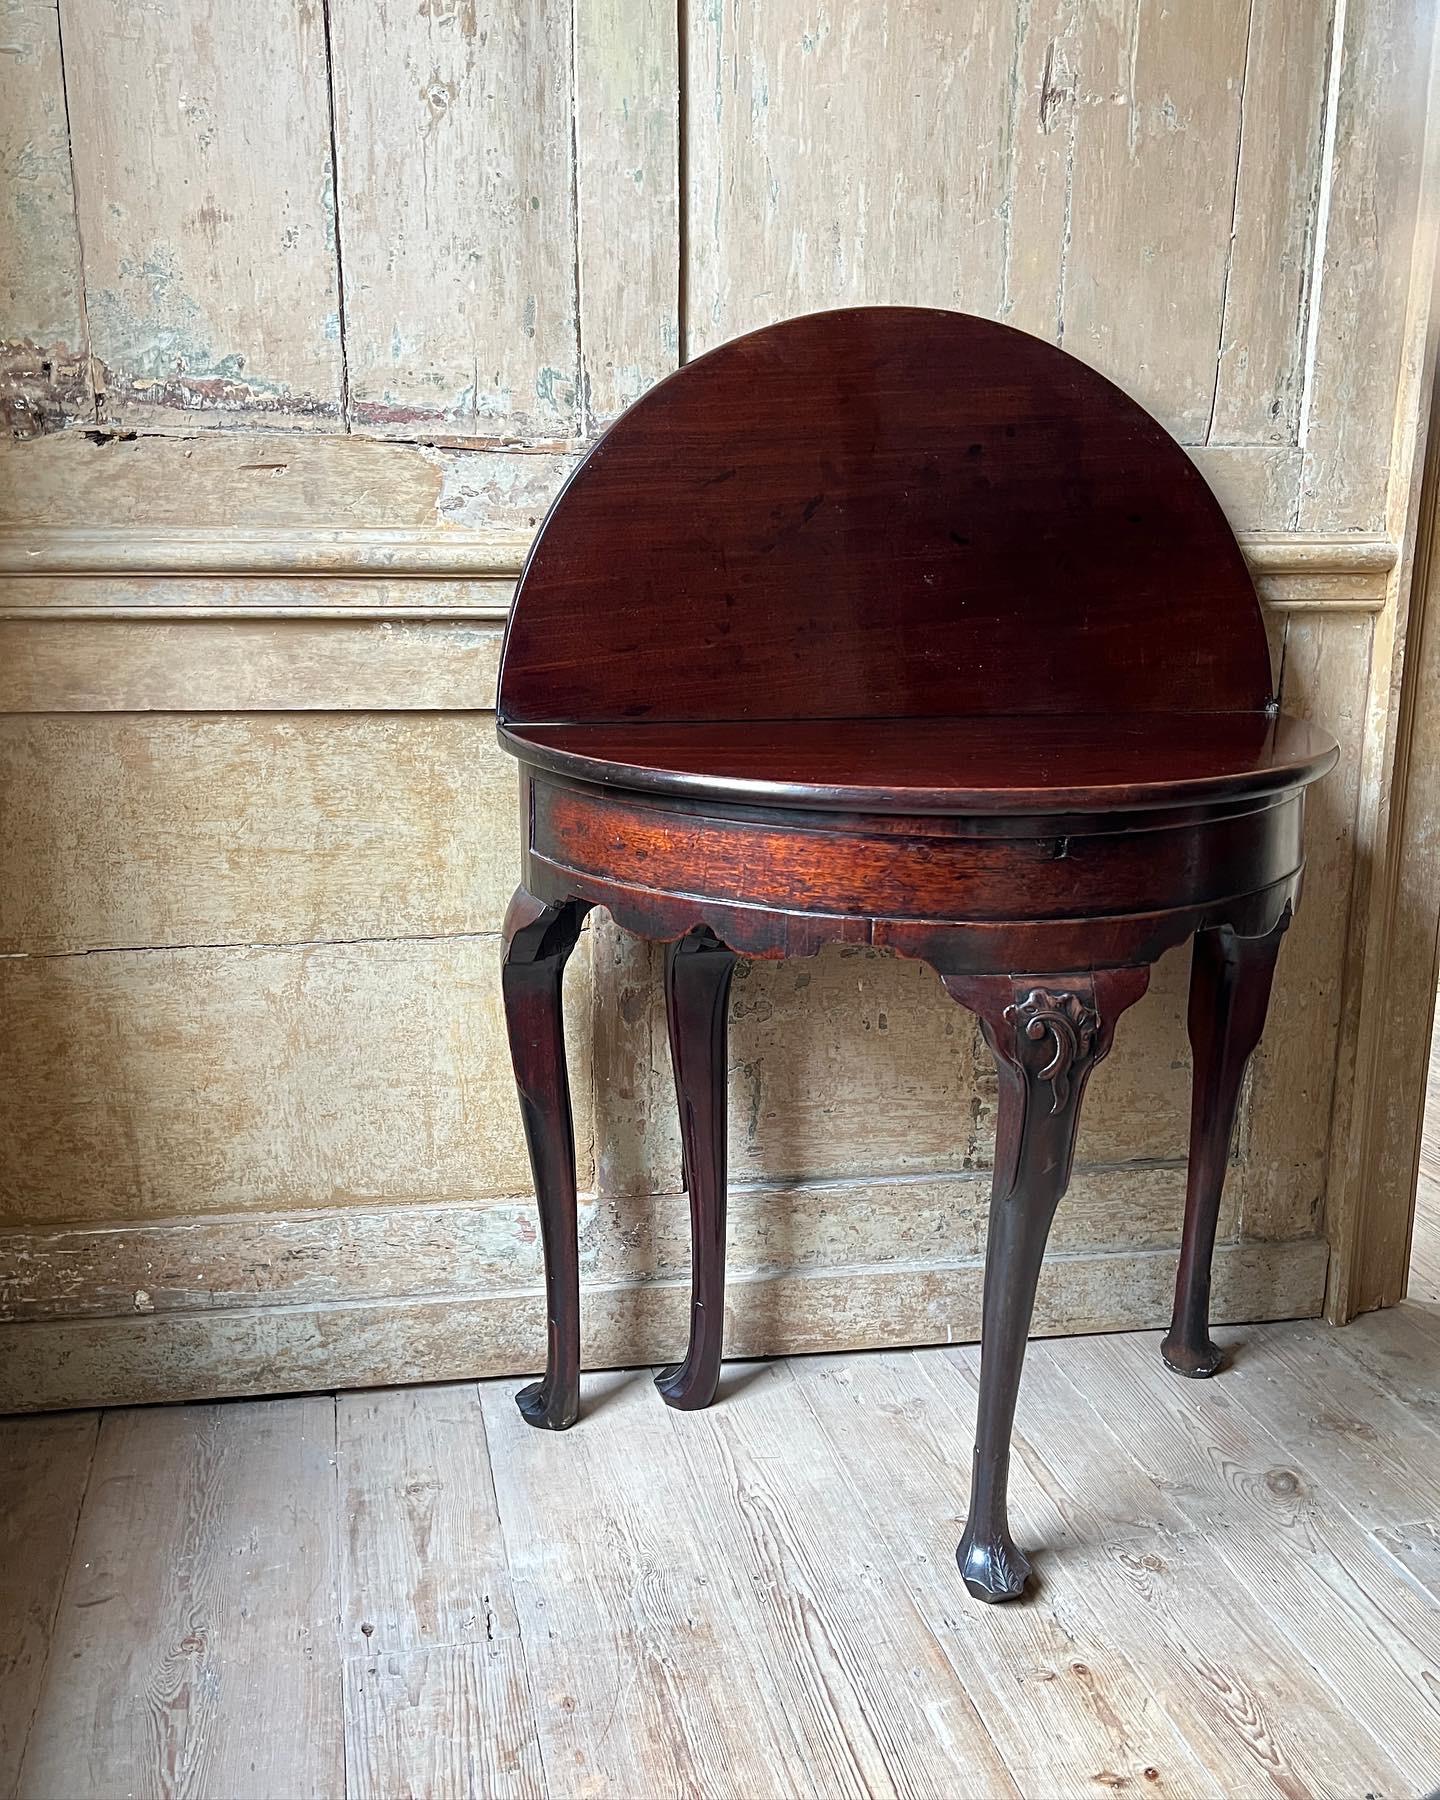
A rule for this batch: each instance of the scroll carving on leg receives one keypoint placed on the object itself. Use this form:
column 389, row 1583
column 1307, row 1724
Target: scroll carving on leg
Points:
column 698, row 969
column 538, row 942
column 1046, row 1033
column 1230, row 981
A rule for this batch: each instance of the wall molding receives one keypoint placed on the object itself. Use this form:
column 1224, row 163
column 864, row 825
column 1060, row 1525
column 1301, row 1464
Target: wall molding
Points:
column 359, row 1341
column 163, row 573
column 419, row 552
column 298, row 1255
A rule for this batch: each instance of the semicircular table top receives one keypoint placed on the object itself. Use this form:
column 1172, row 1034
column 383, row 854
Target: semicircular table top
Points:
column 1002, row 763
column 883, row 512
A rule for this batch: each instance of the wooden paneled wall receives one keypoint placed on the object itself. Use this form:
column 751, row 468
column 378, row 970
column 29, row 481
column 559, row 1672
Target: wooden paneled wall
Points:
column 307, row 311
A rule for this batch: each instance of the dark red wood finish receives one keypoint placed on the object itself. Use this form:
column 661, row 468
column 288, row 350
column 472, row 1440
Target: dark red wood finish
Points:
column 900, row 628
column 884, row 513
column 1230, row 976
column 697, row 995
column 538, row 939
column 1045, row 1041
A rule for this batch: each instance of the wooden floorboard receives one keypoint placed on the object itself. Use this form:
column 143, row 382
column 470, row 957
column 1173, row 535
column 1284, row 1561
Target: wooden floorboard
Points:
column 1063, row 1692
column 858, row 1660
column 1207, row 1643
column 194, row 1648
column 1271, row 1525
column 44, row 1472
column 649, row 1674
column 411, row 1593
column 436, row 1694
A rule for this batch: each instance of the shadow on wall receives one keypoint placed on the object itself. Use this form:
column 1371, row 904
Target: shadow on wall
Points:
column 862, row 1117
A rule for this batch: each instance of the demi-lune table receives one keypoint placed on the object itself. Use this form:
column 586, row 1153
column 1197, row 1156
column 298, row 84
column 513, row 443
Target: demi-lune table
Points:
column 899, row 627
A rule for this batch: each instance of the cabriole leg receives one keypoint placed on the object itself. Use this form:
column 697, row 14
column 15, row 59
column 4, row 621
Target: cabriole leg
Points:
column 1047, row 1033
column 697, row 992
column 538, row 942
column 1230, row 979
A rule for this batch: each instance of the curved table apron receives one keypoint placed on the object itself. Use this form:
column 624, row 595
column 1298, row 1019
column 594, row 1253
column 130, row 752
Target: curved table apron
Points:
column 1043, row 922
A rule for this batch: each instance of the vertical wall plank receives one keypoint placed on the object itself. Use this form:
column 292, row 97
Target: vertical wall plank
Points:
column 1348, row 422
column 627, row 172
column 843, row 158
column 1049, row 50
column 1281, row 1181
column 457, row 226
column 1262, row 352
column 202, row 173
column 1156, row 142
column 44, row 373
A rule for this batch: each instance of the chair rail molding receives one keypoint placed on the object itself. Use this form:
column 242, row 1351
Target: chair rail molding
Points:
column 49, row 573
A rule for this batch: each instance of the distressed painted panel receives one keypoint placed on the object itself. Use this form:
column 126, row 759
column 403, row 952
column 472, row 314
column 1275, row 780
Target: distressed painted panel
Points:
column 627, row 174
column 295, row 665
column 259, row 480
column 204, row 194
column 1347, row 425
column 303, row 1258
column 1071, row 170
column 122, row 830
column 164, row 1083
column 1155, row 100
column 1281, row 1182
column 457, row 227
column 845, row 156
column 846, row 1062
column 44, row 360
column 841, row 1064
column 1260, row 380
column 1258, row 485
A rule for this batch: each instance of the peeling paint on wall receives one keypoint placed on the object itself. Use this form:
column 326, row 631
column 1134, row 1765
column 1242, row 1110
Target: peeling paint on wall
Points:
column 43, row 387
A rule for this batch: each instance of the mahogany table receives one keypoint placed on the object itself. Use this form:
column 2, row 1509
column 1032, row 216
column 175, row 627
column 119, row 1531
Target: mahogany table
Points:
column 900, row 627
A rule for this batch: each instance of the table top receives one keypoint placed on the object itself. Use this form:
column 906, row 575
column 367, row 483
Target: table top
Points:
column 883, row 513
column 1013, row 763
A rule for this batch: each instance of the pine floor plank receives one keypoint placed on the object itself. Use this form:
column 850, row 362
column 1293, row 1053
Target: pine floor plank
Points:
column 1400, row 1348
column 195, row 1645
column 1067, row 1706
column 435, row 1724
column 44, row 1469
column 1424, row 1277
column 437, row 1699
column 1340, row 1418
column 1415, row 1549
column 1208, row 1643
column 1271, row 1522
column 641, row 1646
column 423, row 1560
column 877, row 1699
